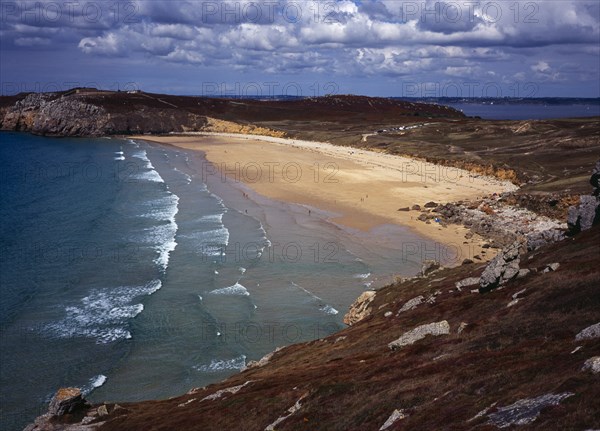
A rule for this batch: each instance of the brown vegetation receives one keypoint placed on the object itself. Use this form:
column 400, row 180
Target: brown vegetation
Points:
column 354, row 383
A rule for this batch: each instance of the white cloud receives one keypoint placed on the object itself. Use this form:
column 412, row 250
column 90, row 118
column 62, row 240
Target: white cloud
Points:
column 346, row 38
column 107, row 44
column 541, row 67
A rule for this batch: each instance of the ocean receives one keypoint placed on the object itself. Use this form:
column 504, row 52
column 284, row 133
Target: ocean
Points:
column 128, row 272
column 499, row 110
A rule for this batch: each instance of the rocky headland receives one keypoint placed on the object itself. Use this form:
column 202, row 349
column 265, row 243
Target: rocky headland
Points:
column 91, row 112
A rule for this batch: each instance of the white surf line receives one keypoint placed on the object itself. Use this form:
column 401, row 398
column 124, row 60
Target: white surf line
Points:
column 383, row 160
column 326, row 308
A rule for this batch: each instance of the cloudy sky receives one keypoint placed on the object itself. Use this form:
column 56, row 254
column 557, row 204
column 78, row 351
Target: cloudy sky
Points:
column 375, row 47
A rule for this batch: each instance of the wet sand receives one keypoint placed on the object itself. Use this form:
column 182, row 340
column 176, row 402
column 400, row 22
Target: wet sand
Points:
column 360, row 190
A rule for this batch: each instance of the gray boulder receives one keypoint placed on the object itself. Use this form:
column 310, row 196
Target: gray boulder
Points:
column 429, row 266
column 525, row 411
column 585, row 215
column 501, row 269
column 466, row 282
column 420, row 332
column 595, row 179
column 589, row 333
column 592, row 364
column 511, row 270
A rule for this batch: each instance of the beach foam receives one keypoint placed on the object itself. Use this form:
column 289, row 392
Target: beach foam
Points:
column 328, row 309
column 103, row 314
column 236, row 290
column 218, row 365
column 147, row 170
column 162, row 236
column 95, row 382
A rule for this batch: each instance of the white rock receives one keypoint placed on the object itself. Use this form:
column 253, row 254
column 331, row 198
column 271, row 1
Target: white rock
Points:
column 592, row 364
column 395, row 416
column 280, row 419
column 220, row 393
column 513, row 302
column 420, row 332
column 516, row 295
column 467, row 282
column 591, row 332
column 412, row 304
column 551, row 267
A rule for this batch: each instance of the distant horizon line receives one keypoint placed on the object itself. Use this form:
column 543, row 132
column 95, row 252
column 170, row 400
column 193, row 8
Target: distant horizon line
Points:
column 279, row 96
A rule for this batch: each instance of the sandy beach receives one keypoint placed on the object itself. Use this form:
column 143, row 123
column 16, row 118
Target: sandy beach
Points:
column 361, row 190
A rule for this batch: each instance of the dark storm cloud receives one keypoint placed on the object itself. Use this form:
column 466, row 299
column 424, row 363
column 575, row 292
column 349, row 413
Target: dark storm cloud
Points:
column 503, row 41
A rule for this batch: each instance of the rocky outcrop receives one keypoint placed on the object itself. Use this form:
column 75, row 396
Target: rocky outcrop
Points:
column 262, row 361
column 467, row 282
column 525, row 411
column 501, row 223
column 66, row 400
column 226, row 391
column 587, row 214
column 296, row 407
column 595, row 179
column 52, row 114
column 412, row 304
column 420, row 332
column 429, row 266
column 82, row 114
column 68, row 411
column 360, row 308
column 589, row 333
column 592, row 364
column 395, row 416
column 504, row 267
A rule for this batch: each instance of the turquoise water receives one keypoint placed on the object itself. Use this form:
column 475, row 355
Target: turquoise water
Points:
column 127, row 273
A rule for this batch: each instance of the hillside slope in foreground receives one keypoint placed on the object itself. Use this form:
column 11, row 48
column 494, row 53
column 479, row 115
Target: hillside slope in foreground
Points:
column 523, row 354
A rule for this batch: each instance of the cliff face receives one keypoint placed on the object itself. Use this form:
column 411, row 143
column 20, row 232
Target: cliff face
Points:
column 89, row 112
column 47, row 115
column 81, row 115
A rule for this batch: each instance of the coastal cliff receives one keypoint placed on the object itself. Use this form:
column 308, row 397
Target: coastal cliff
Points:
column 91, row 112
